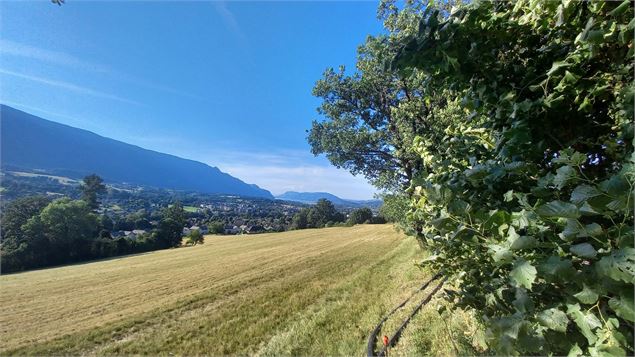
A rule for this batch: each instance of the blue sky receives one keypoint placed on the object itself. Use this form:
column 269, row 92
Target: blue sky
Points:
column 225, row 83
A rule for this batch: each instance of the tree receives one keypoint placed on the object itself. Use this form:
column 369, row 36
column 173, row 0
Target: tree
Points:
column 16, row 215
column 195, row 237
column 16, row 250
column 323, row 212
column 106, row 222
column 300, row 219
column 91, row 187
column 369, row 116
column 63, row 227
column 216, row 228
column 171, row 226
column 360, row 215
column 393, row 208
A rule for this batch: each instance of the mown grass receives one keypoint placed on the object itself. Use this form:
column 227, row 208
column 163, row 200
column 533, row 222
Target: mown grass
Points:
column 190, row 209
column 310, row 292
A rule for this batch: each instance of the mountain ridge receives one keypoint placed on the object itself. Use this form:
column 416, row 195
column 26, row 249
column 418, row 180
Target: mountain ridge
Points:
column 34, row 143
column 312, row 197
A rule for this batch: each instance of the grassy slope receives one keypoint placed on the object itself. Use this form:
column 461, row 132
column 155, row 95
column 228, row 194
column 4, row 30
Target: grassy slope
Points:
column 310, row 292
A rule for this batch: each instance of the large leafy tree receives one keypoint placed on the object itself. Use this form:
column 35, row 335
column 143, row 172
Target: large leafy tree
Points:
column 14, row 244
column 526, row 198
column 170, row 230
column 61, row 230
column 372, row 114
column 16, row 215
column 371, row 117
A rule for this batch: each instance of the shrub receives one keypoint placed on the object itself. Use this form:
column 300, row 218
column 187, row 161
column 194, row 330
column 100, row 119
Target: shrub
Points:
column 526, row 198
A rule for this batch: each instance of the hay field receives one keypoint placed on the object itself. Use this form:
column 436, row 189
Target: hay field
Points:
column 309, row 292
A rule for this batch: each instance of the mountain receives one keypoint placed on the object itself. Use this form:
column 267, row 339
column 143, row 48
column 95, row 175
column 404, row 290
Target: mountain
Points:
column 312, row 197
column 31, row 143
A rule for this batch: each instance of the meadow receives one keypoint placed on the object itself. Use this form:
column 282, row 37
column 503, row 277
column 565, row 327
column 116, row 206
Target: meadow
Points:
column 308, row 292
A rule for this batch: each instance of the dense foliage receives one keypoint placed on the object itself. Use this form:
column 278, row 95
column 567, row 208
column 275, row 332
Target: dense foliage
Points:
column 195, row 237
column 518, row 117
column 525, row 196
column 363, row 132
column 38, row 232
column 360, row 215
column 317, row 216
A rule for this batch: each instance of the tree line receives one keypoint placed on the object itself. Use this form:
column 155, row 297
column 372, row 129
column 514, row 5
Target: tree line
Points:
column 324, row 214
column 39, row 232
column 502, row 134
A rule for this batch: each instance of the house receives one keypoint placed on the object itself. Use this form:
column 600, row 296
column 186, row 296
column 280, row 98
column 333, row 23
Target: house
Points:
column 230, row 229
column 202, row 229
column 254, row 229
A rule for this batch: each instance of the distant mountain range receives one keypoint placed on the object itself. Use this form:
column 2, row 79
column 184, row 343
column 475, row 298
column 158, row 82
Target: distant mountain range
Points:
column 312, row 197
column 34, row 144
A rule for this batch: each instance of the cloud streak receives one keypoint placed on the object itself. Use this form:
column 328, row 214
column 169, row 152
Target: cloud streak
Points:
column 228, row 18
column 11, row 48
column 67, row 86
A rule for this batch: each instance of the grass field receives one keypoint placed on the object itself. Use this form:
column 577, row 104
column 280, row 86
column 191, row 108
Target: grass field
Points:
column 309, row 292
column 191, row 209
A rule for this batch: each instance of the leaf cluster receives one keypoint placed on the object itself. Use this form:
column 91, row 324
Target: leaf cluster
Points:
column 528, row 203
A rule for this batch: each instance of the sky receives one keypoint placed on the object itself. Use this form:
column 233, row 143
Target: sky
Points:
column 225, row 83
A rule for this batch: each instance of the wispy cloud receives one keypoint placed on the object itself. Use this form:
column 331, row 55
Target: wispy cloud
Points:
column 67, row 86
column 290, row 170
column 12, row 48
column 228, row 18
column 306, row 178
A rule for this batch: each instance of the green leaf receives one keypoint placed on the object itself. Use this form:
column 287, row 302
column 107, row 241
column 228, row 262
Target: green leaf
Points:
column 587, row 295
column 584, row 192
column 500, row 254
column 575, row 351
column 620, row 9
column 557, row 267
column 522, row 302
column 584, row 250
column 587, row 210
column 523, row 274
column 593, row 230
column 571, row 230
column 521, row 219
column 522, row 242
column 556, row 66
column 624, row 307
column 618, row 204
column 554, row 319
column 619, row 265
column 615, row 186
column 558, row 209
column 509, row 196
column 570, row 78
column 564, row 175
column 586, row 322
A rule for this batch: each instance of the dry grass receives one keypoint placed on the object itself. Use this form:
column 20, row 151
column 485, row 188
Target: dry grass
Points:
column 310, row 292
